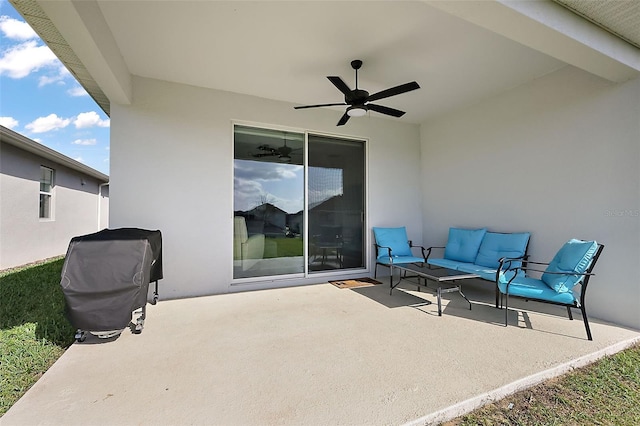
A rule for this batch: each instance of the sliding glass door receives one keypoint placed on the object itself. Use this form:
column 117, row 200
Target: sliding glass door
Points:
column 270, row 235
column 268, row 228
column 336, row 201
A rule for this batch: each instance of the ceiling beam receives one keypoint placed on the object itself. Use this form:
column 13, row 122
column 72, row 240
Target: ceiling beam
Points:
column 84, row 28
column 553, row 30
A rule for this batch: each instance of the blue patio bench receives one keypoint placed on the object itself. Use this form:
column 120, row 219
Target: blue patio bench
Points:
column 479, row 251
column 563, row 282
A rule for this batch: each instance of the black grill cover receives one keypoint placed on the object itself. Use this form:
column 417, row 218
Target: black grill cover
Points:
column 106, row 275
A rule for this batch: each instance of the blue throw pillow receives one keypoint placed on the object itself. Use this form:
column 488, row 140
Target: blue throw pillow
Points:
column 574, row 257
column 463, row 244
column 396, row 238
column 496, row 246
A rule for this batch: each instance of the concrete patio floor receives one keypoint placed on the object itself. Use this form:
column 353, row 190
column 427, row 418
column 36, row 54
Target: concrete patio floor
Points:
column 313, row 355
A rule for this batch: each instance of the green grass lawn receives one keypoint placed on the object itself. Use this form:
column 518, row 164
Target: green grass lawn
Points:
column 34, row 333
column 33, row 329
column 606, row 392
column 286, row 247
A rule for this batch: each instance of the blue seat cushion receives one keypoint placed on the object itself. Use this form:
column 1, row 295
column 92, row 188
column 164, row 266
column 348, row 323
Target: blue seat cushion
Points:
column 532, row 288
column 496, row 245
column 574, row 257
column 484, row 272
column 395, row 238
column 386, row 260
column 445, row 263
column 463, row 244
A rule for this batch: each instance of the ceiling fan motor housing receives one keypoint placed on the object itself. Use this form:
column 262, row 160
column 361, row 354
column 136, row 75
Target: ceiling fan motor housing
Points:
column 356, row 97
column 358, row 100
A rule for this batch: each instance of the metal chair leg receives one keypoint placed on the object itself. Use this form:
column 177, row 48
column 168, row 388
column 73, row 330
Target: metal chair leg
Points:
column 570, row 314
column 586, row 322
column 506, row 309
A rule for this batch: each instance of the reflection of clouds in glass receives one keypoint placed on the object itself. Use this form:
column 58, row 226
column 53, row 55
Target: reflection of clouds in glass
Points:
column 257, row 170
column 258, row 182
column 318, row 197
column 324, row 183
column 288, row 205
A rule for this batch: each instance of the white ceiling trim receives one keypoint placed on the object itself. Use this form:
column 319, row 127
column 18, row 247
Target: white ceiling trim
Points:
column 460, row 52
column 551, row 29
column 619, row 17
column 89, row 36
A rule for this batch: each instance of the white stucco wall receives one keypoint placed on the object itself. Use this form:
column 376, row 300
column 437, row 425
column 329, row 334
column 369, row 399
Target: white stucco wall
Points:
column 24, row 237
column 559, row 157
column 172, row 170
column 103, row 206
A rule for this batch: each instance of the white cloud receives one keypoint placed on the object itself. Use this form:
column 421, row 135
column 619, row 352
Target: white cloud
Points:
column 48, row 79
column 79, row 159
column 15, row 29
column 22, row 59
column 77, row 91
column 48, row 123
column 90, row 119
column 63, row 73
column 8, row 122
column 85, row 142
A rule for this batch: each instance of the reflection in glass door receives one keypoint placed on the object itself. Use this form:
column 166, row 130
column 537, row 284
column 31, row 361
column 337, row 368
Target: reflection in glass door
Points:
column 336, row 201
column 268, row 227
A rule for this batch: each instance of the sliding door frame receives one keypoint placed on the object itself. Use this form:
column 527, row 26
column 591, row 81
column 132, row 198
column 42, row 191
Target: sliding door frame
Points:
column 308, row 277
column 365, row 223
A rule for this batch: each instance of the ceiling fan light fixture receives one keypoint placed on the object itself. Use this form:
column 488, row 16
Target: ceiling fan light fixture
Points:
column 284, row 159
column 358, row 100
column 356, row 111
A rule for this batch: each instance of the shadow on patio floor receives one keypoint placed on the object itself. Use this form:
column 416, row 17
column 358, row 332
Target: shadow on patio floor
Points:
column 306, row 355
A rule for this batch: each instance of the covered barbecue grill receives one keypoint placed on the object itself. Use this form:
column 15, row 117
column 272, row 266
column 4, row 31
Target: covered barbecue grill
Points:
column 106, row 276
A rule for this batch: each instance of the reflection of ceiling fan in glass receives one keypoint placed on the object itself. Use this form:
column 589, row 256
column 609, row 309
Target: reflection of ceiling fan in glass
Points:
column 283, row 153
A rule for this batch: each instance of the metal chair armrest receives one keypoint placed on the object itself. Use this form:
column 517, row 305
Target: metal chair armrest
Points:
column 422, row 249
column 505, row 263
column 378, row 246
column 429, row 251
column 581, row 274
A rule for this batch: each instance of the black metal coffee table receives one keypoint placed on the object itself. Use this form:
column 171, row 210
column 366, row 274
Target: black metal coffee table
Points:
column 433, row 273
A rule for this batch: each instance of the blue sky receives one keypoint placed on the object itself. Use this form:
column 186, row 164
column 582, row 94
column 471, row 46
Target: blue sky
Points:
column 40, row 99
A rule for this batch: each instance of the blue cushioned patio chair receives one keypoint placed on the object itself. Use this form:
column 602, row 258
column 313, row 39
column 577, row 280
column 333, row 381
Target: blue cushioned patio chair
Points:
column 563, row 282
column 393, row 247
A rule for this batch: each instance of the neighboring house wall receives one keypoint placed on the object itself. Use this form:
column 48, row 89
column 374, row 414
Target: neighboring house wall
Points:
column 559, row 157
column 24, row 237
column 172, row 170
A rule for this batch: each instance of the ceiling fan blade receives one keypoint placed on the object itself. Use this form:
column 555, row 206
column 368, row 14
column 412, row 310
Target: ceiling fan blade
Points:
column 340, row 84
column 343, row 120
column 403, row 88
column 317, row 106
column 385, row 110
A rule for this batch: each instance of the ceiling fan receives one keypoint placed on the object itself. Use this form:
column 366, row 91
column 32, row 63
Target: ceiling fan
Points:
column 283, row 153
column 358, row 99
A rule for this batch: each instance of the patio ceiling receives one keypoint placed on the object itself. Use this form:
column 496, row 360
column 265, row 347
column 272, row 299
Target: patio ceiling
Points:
column 459, row 52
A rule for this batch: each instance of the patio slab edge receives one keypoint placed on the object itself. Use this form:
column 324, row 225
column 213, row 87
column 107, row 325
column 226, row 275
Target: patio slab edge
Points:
column 471, row 404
